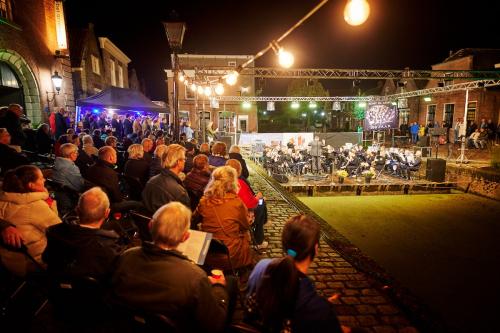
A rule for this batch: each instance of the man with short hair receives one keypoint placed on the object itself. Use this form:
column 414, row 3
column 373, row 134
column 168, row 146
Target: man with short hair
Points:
column 167, row 186
column 84, row 249
column 10, row 118
column 10, row 158
column 102, row 174
column 147, row 145
column 157, row 278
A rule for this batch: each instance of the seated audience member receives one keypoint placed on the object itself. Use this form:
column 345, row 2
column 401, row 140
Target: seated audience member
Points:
column 254, row 202
column 10, row 158
column 167, row 186
column 96, row 137
column 148, row 146
column 136, row 166
column 218, row 157
column 205, row 149
column 234, row 153
column 65, row 170
column 26, row 204
column 480, row 142
column 280, row 295
column 190, row 149
column 84, row 249
column 196, row 180
column 102, row 174
column 67, row 174
column 60, row 141
column 88, row 146
column 156, row 278
column 43, row 140
column 155, row 166
column 222, row 213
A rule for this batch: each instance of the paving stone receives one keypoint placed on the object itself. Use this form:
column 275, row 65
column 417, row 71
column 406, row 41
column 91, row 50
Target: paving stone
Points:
column 350, row 300
column 384, row 329
column 373, row 300
column 367, row 320
column 387, row 309
column 366, row 309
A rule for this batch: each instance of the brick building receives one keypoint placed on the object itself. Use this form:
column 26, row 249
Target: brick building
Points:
column 449, row 107
column 226, row 116
column 33, row 47
column 96, row 63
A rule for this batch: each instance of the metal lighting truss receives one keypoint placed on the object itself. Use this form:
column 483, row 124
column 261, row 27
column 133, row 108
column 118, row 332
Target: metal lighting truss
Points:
column 451, row 88
column 364, row 74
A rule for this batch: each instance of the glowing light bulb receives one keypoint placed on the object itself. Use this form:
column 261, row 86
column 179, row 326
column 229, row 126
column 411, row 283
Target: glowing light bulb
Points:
column 207, row 91
column 356, row 12
column 193, row 87
column 312, row 105
column 295, row 105
column 246, row 105
column 219, row 89
column 231, row 78
column 181, row 77
column 200, row 90
column 285, row 58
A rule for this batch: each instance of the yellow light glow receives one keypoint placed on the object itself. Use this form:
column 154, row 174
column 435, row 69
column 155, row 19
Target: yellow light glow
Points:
column 219, row 89
column 231, row 78
column 207, row 91
column 200, row 90
column 60, row 26
column 285, row 58
column 193, row 87
column 356, row 12
column 181, row 78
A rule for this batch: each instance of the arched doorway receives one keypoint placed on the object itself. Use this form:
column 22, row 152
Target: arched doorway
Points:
column 20, row 84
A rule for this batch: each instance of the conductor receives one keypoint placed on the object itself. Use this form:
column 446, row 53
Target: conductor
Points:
column 316, row 153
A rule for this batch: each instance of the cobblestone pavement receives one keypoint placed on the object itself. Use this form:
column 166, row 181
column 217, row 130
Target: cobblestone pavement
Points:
column 360, row 303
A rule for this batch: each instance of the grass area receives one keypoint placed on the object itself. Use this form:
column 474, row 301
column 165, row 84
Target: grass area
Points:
column 437, row 245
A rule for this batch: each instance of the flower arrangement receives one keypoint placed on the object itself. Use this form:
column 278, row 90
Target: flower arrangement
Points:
column 342, row 173
column 369, row 173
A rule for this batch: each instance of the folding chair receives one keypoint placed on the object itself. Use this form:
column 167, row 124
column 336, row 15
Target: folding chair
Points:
column 134, row 187
column 142, row 223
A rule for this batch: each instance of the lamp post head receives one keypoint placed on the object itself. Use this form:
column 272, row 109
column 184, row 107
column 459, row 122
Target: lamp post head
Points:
column 175, row 34
column 57, row 81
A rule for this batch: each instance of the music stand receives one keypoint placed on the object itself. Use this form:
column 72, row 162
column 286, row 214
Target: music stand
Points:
column 436, row 133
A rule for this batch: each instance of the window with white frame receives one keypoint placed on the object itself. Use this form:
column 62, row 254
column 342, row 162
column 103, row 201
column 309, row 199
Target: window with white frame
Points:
column 6, row 9
column 120, row 76
column 112, row 70
column 431, row 113
column 95, row 64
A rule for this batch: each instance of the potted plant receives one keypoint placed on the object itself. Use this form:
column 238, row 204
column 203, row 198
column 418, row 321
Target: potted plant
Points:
column 341, row 174
column 369, row 174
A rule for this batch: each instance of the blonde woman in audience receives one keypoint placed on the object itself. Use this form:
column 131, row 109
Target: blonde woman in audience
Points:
column 222, row 213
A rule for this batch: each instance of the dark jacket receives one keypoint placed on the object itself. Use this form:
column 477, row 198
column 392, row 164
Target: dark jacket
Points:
column 166, row 282
column 10, row 159
column 102, row 174
column 78, row 251
column 313, row 313
column 12, row 123
column 195, row 184
column 162, row 189
column 117, row 127
column 127, row 127
column 138, row 169
column 155, row 167
column 216, row 161
column 244, row 169
column 44, row 142
column 83, row 162
column 61, row 125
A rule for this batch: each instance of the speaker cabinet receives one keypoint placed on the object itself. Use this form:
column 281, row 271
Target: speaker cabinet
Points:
column 436, row 170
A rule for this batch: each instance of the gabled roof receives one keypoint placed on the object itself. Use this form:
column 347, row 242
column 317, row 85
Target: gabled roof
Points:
column 121, row 99
column 483, row 59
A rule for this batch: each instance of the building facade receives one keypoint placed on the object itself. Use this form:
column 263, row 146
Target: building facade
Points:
column 228, row 117
column 33, row 47
column 96, row 63
column 447, row 108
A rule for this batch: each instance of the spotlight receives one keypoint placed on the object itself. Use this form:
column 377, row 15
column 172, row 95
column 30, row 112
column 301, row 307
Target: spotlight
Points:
column 200, row 90
column 219, row 89
column 356, row 12
column 427, row 98
column 285, row 58
column 312, row 105
column 193, row 87
column 246, row 105
column 295, row 105
column 231, row 78
column 362, row 104
column 181, row 77
column 207, row 91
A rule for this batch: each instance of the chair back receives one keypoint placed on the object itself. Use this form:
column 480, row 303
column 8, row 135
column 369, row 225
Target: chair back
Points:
column 218, row 258
column 134, row 187
column 142, row 223
column 139, row 321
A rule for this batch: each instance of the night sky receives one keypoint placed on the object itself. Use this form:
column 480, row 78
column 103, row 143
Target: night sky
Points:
column 398, row 33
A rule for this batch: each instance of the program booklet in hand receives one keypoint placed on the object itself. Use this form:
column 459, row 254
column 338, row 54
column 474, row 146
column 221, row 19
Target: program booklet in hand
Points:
column 196, row 246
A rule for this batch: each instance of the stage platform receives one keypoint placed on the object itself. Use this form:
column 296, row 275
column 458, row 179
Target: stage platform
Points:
column 383, row 185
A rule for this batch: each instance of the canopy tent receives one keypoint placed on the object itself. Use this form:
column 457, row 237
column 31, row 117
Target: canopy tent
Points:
column 121, row 99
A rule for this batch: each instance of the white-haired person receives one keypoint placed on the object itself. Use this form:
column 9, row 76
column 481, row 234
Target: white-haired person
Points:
column 167, row 186
column 222, row 213
column 136, row 166
column 148, row 146
column 157, row 278
column 88, row 146
column 155, row 165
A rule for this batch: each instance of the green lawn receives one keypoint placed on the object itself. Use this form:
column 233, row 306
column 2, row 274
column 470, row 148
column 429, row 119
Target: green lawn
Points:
column 437, row 245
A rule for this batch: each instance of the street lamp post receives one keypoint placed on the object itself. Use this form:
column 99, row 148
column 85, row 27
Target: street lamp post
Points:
column 57, row 83
column 175, row 35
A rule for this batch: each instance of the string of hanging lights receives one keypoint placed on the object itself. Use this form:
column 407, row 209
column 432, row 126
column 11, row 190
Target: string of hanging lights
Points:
column 356, row 12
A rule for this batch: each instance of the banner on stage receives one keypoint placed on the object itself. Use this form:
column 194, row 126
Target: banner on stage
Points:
column 381, row 116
